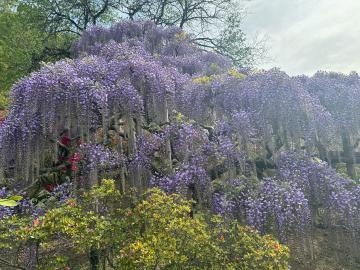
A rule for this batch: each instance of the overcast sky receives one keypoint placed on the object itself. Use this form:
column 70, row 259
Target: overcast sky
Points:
column 304, row 36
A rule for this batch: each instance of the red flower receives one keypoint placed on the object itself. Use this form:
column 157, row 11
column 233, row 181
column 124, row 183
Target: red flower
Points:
column 36, row 222
column 65, row 140
column 50, row 187
column 74, row 167
column 74, row 159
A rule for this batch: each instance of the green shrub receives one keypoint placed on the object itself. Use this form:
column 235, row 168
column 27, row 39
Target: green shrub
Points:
column 153, row 232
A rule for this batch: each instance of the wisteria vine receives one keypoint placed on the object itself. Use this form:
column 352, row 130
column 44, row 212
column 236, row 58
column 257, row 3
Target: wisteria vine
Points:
column 143, row 105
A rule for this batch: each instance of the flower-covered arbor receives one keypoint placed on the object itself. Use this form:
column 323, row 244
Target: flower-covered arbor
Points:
column 143, row 105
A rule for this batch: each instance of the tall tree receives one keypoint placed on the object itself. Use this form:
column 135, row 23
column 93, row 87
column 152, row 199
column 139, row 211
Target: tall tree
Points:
column 72, row 16
column 215, row 24
column 209, row 21
column 18, row 43
column 25, row 43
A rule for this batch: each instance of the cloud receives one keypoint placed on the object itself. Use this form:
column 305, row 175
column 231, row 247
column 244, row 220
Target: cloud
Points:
column 308, row 35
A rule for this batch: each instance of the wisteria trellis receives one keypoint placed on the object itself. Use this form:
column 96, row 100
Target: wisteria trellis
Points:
column 153, row 109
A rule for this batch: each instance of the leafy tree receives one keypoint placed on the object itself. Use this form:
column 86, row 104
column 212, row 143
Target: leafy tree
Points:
column 211, row 23
column 24, row 44
column 72, row 16
column 230, row 41
column 18, row 43
column 198, row 17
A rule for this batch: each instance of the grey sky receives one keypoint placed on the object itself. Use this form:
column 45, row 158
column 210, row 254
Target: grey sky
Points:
column 307, row 35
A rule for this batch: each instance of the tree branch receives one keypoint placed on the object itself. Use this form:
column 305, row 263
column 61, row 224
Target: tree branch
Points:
column 8, row 264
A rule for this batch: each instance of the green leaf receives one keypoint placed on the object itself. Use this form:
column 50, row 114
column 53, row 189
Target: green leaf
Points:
column 16, row 198
column 8, row 202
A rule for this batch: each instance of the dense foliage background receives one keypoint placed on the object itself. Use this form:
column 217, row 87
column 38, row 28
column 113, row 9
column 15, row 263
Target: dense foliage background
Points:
column 149, row 108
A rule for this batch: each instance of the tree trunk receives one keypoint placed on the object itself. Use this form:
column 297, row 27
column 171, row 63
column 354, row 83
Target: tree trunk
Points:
column 349, row 159
column 94, row 259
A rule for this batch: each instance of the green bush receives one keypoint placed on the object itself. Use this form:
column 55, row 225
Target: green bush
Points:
column 153, row 232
